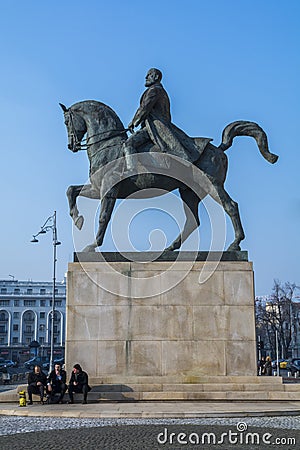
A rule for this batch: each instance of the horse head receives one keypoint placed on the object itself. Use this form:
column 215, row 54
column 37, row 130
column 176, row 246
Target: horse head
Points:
column 76, row 127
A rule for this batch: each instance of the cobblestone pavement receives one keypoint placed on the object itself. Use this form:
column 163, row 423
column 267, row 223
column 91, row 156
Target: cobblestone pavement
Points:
column 150, row 434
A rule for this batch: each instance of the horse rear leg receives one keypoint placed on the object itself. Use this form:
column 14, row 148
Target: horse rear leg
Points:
column 232, row 209
column 190, row 204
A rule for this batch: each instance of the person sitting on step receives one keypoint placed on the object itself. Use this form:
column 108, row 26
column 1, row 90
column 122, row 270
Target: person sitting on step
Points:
column 79, row 383
column 37, row 381
column 56, row 383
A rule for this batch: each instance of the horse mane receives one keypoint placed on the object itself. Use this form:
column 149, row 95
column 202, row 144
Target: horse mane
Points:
column 90, row 106
column 94, row 107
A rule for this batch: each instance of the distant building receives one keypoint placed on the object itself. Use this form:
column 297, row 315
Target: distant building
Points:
column 289, row 323
column 25, row 316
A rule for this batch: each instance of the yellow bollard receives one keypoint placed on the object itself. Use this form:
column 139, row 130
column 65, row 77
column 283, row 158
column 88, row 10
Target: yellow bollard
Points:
column 22, row 398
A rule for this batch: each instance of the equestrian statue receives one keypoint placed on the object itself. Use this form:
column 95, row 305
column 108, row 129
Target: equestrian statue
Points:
column 156, row 158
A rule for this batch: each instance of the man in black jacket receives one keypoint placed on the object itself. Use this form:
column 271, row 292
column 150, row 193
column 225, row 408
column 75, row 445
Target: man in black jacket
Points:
column 79, row 383
column 37, row 381
column 56, row 383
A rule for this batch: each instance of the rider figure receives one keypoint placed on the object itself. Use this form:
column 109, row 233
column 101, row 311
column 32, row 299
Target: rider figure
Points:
column 154, row 117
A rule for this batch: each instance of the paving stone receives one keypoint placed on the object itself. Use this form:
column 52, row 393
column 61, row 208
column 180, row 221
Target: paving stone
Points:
column 141, row 434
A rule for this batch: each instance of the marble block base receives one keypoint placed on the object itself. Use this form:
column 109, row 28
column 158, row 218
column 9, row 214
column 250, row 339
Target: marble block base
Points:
column 190, row 327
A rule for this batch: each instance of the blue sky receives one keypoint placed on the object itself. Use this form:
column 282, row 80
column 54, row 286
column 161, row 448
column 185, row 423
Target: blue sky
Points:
column 222, row 61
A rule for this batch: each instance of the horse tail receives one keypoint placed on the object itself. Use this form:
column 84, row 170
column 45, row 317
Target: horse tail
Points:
column 245, row 128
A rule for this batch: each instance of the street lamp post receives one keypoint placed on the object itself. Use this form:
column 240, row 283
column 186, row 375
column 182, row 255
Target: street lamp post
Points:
column 50, row 224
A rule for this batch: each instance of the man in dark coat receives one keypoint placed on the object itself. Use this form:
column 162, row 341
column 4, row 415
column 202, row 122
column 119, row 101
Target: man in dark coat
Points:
column 56, row 383
column 268, row 366
column 79, row 383
column 154, row 116
column 37, row 381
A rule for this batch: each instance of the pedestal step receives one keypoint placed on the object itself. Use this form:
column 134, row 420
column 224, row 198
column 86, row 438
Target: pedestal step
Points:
column 211, row 388
column 189, row 396
column 224, row 389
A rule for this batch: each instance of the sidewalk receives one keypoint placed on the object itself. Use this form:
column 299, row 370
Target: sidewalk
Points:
column 175, row 409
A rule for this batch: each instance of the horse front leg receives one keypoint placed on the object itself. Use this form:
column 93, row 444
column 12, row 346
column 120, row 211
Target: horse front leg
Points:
column 107, row 206
column 83, row 190
column 72, row 193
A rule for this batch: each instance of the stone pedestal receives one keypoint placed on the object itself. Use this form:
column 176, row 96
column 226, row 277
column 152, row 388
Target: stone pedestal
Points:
column 162, row 321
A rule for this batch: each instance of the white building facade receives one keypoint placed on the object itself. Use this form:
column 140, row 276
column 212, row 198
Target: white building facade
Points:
column 25, row 316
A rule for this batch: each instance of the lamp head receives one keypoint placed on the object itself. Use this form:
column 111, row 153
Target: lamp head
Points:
column 34, row 239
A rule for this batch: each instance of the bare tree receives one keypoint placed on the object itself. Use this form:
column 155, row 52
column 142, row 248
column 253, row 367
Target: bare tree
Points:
column 276, row 315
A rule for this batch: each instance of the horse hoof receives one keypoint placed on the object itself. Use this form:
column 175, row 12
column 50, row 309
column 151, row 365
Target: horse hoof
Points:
column 89, row 249
column 234, row 248
column 79, row 222
column 171, row 248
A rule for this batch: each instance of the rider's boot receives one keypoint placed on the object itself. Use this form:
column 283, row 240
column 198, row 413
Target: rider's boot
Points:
column 130, row 159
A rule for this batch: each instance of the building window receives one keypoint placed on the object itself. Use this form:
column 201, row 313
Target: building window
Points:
column 28, row 340
column 2, row 317
column 16, row 291
column 56, row 316
column 29, row 291
column 4, row 302
column 42, row 315
column 3, row 290
column 15, row 340
column 58, row 302
column 2, row 329
column 42, row 291
column 42, row 340
column 15, row 327
column 29, row 302
column 16, row 314
column 1, row 340
column 28, row 329
column 28, row 317
column 16, row 302
column 42, row 303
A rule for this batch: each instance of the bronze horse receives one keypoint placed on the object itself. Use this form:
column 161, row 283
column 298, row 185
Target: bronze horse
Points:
column 105, row 135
